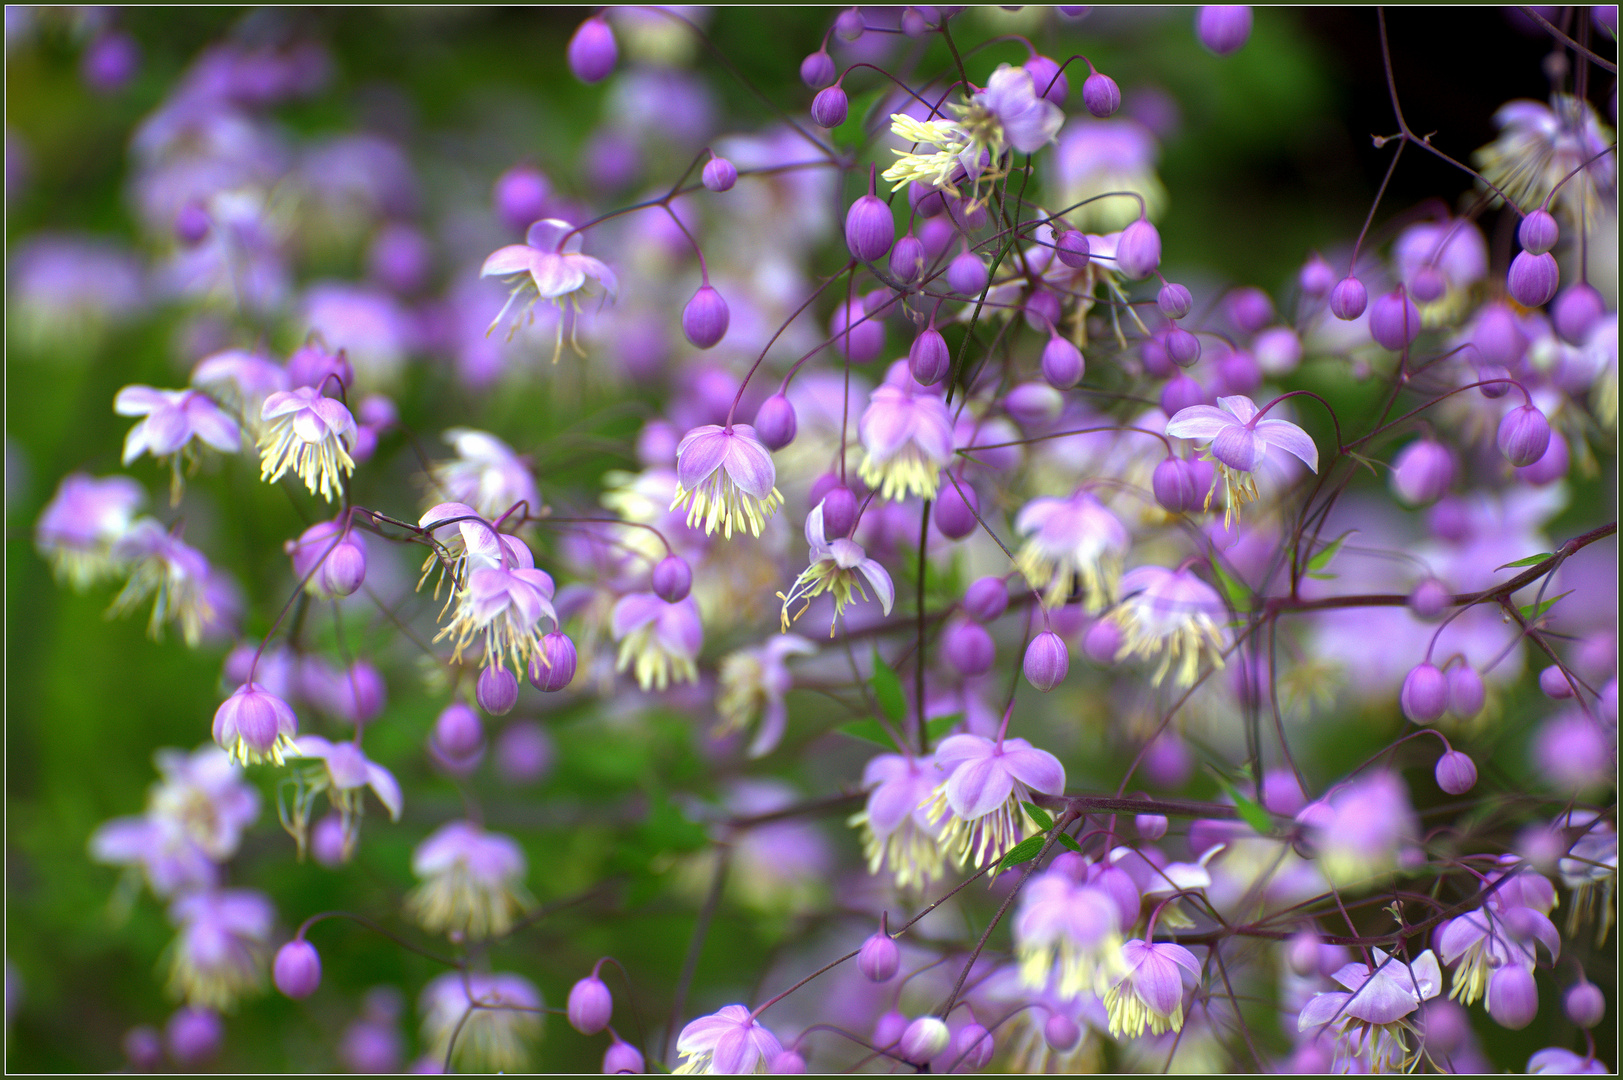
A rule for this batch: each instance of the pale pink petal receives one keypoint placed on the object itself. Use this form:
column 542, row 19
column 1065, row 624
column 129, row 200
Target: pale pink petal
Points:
column 700, row 454
column 1037, row 769
column 1321, row 1010
column 1198, row 422
column 139, row 400
column 213, row 426
column 512, row 259
column 749, row 463
column 884, row 590
column 1243, row 408
column 977, row 788
column 1290, row 438
column 556, row 275
column 383, row 784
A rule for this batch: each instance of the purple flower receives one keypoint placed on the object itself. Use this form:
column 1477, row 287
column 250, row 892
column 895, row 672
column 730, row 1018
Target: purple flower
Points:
column 897, row 834
column 173, row 573
column 505, row 604
column 83, row 522
column 1170, row 613
column 834, row 568
column 726, row 479
column 253, row 725
column 752, row 683
column 241, row 381
column 486, row 475
column 472, row 881
column 1540, row 146
column 980, row 799
column 309, row 434
column 1068, row 929
column 220, row 952
column 549, row 265
column 491, row 1017
column 1369, row 1022
column 1223, row 28
column 1239, row 443
column 663, row 639
column 172, row 419
column 1363, row 829
column 907, row 441
column 726, row 1043
column 1558, row 1060
column 1150, row 994
column 1071, row 537
column 347, row 771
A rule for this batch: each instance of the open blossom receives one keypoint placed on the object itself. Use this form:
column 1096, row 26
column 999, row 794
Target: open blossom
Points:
column 1239, row 443
column 1171, row 614
column 220, row 952
column 907, row 441
column 1363, row 829
column 253, row 725
column 980, row 799
column 1371, row 1021
column 726, row 1043
column 493, row 1018
column 753, row 683
column 485, row 475
column 240, row 381
column 658, row 639
column 472, row 881
column 309, row 434
column 1150, row 993
column 725, row 478
column 1072, row 537
column 504, row 605
column 548, row 266
column 1540, row 145
column 171, row 420
column 83, row 522
column 172, row 572
column 895, row 826
column 1068, row 932
column 347, row 771
column 1008, row 114
column 834, row 566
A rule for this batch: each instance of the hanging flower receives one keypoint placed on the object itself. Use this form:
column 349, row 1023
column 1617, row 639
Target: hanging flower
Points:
column 1239, row 443
column 895, row 827
column 907, row 441
column 548, row 266
column 1371, row 1022
column 1075, row 537
column 472, row 881
column 309, row 434
column 661, row 639
column 171, row 420
column 1008, row 114
column 1150, row 994
column 980, row 801
column 726, row 479
column 1173, row 614
column 834, row 567
column 726, row 1043
column 752, row 685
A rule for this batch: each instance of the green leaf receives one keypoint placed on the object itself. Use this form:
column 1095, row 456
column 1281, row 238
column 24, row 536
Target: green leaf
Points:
column 1529, row 612
column 941, row 725
column 887, row 688
column 1039, row 815
column 1023, row 852
column 1531, row 560
column 870, row 731
column 1069, row 841
column 1236, row 592
column 1252, row 814
column 1322, row 559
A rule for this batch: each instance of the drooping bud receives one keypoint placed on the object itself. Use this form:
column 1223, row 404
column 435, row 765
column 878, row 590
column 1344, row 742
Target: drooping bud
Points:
column 590, row 1005
column 786, row 1063
column 592, row 51
column 1429, row 599
column 972, row 1044
column 879, row 957
column 1348, row 299
column 986, row 598
column 1183, row 348
column 928, row 358
column 1138, row 250
column 704, row 320
column 870, row 227
column 829, row 107
column 719, row 174
column 344, row 570
column 1422, row 473
column 1060, row 1032
column 775, row 422
column 1150, row 826
column 1033, row 404
column 849, row 25
column 966, row 274
column 521, row 195
column 927, row 201
column 1553, row 681
column 924, row 1039
column 297, row 969
column 839, row 512
column 1047, row 661
column 1533, row 279
column 907, row 259
column 1302, row 952
column 1466, row 694
column 817, row 70
column 968, row 648
column 1223, row 28
column 1512, row 997
column 672, row 579
column 622, row 1057
column 1394, row 321
column 865, row 338
column 1063, row 364
column 1428, row 284
column 1102, row 642
column 887, row 1030
column 955, row 508
column 553, row 668
column 1585, row 1004
column 1179, row 393
column 497, row 690
column 1316, row 278
column 1524, row 435
column 1576, row 311
column 1174, row 486
column 1072, row 248
column 1174, row 300
column 458, row 731
column 1538, row 232
column 1456, row 773
column 1425, row 693
column 1101, row 95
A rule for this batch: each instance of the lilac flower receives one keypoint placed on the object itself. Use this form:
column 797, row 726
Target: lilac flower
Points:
column 897, row 834
column 980, row 799
column 468, row 543
column 173, row 573
column 1170, row 613
column 726, row 479
column 727, row 1042
column 907, row 441
column 1067, row 932
column 1369, row 1022
column 1488, row 939
column 505, row 605
column 220, row 953
column 752, row 683
column 472, row 881
column 205, row 794
column 169, row 858
column 309, row 434
column 1363, row 829
column 368, row 324
column 328, row 559
column 550, row 266
column 834, row 566
column 492, row 1018
column 1239, row 442
column 240, row 381
column 65, row 287
column 253, row 726
column 1071, row 537
column 1099, row 156
column 662, row 638
column 1008, row 114
column 347, row 772
column 172, row 419
column 486, row 475
column 1540, row 145
column 1558, row 1060
column 83, row 522
column 1150, row 994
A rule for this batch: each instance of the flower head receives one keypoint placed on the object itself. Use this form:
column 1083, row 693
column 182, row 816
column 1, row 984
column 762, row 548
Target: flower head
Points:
column 345, row 771
column 1069, row 930
column 1239, row 443
column 834, row 568
column 83, row 522
column 472, row 881
column 1072, row 537
column 1362, row 829
column 486, row 475
column 980, row 799
column 1370, row 1021
column 171, row 420
column 726, row 1043
column 174, row 573
column 503, row 604
column 220, row 952
column 907, row 441
column 726, row 479
column 309, row 434
column 1170, row 613
column 1150, row 994
column 895, row 826
column 753, row 683
column 253, row 725
column 491, row 1017
column 663, row 639
column 548, row 266
column 1540, row 145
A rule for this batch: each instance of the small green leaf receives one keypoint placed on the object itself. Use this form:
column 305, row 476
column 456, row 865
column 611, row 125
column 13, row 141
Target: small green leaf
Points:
column 1531, row 560
column 870, row 731
column 1069, row 841
column 941, row 725
column 887, row 688
column 1039, row 815
column 1529, row 612
column 1023, row 852
column 1322, row 559
column 1237, row 594
column 1252, row 814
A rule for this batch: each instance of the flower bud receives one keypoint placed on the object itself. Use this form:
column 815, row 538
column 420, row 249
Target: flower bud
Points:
column 1498, row 337
column 590, row 1005
column 497, row 690
column 1456, row 773
column 1033, row 404
column 1422, row 473
column 1348, row 298
column 775, row 422
column 927, row 201
column 1428, row 284
column 924, row 1039
column 520, row 195
column 673, row 578
column 1071, row 247
column 1180, row 392
column 1183, row 348
column 143, row 1046
column 592, row 51
column 1466, row 694
column 1150, row 826
column 887, row 1030
column 622, row 1057
column 192, row 224
column 914, row 24
column 1174, row 486
column 1062, row 363
column 1585, row 1004
column 870, row 228
column 1551, row 466
column 1425, row 693
column 553, row 668
column 786, row 1063
column 1174, row 300
column 1248, row 308
column 1223, row 28
column 817, row 70
column 1047, row 79
column 967, row 276
column 344, row 569
column 1138, row 250
column 972, row 1044
column 1533, row 279
column 1047, row 661
column 1553, row 681
column 968, row 648
column 328, row 845
column 458, row 731
column 928, row 357
column 865, row 339
column 1238, row 373
column 829, row 107
column 297, row 970
column 719, row 174
column 704, row 320
column 986, row 599
column 1316, row 278
column 1102, row 642
column 193, row 1035
column 879, row 958
column 312, row 365
column 849, row 25
column 1060, row 1032
column 839, row 512
column 1429, row 599
column 1042, row 309
column 1394, row 321
column 1512, row 997
column 907, row 259
column 1524, row 435
column 955, row 508
column 1576, row 310
column 1101, row 95
column 1538, row 232
column 1494, row 380
column 1302, row 953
